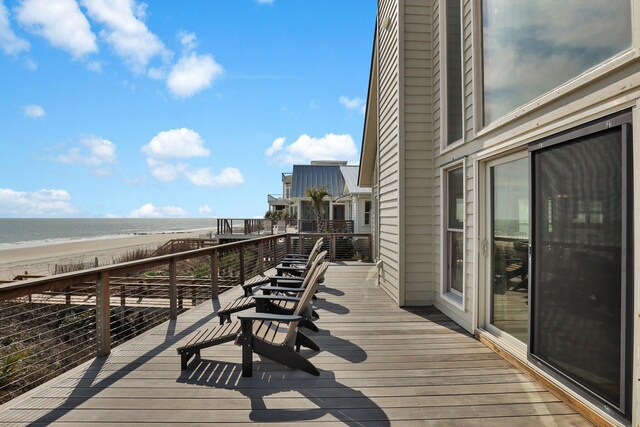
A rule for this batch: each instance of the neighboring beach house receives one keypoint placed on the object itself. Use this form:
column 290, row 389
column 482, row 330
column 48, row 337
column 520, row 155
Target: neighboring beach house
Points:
column 501, row 140
column 346, row 201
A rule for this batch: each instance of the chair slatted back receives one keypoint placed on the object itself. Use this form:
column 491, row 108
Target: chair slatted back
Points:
column 305, row 298
column 314, row 252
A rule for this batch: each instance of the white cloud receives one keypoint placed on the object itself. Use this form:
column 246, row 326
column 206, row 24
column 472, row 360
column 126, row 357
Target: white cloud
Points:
column 9, row 41
column 264, row 1
column 167, row 146
column 192, row 74
column 176, row 143
column 94, row 152
column 353, row 103
column 306, row 148
column 204, row 178
column 126, row 32
column 150, row 211
column 205, row 210
column 41, row 203
column 164, row 171
column 187, row 40
column 61, row 23
column 34, row 111
column 275, row 147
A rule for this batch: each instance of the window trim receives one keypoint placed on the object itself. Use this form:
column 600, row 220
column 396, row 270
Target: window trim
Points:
column 452, row 296
column 444, row 107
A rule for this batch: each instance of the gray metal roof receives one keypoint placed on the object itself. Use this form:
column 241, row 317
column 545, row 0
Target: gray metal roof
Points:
column 305, row 176
column 350, row 175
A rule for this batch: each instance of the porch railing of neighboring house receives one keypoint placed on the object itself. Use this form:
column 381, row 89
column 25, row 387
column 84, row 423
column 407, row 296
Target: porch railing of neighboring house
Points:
column 274, row 197
column 325, row 226
column 51, row 324
column 228, row 226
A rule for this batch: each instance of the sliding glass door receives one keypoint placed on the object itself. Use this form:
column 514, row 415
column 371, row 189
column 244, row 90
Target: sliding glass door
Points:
column 508, row 244
column 581, row 260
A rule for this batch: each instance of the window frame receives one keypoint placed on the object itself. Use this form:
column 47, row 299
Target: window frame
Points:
column 367, row 212
column 447, row 293
column 444, row 80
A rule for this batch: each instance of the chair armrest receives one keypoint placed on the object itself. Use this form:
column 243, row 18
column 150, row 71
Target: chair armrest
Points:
column 268, row 288
column 248, row 287
column 296, row 256
column 284, row 318
column 283, row 268
column 276, row 279
column 275, row 298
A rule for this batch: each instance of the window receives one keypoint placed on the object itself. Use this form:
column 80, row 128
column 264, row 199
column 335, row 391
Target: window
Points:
column 367, row 213
column 453, row 74
column 454, row 235
column 529, row 48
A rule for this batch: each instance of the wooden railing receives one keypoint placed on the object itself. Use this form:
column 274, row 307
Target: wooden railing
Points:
column 50, row 324
column 325, row 226
column 246, row 226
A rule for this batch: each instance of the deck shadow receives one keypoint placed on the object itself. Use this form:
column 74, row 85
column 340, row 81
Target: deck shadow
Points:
column 325, row 393
column 90, row 381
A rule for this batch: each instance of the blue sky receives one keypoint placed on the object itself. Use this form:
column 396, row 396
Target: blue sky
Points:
column 118, row 108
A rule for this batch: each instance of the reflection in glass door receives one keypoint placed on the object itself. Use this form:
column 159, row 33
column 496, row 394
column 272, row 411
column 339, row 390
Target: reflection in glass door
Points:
column 509, row 243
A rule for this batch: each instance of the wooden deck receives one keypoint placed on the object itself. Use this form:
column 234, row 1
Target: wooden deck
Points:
column 380, row 365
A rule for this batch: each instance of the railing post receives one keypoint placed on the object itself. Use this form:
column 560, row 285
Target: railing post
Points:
column 301, row 244
column 103, row 314
column 288, row 244
column 261, row 256
column 241, row 256
column 215, row 268
column 173, row 290
column 333, row 248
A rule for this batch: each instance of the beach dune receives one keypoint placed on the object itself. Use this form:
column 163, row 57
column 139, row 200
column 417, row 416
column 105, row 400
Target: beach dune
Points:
column 42, row 259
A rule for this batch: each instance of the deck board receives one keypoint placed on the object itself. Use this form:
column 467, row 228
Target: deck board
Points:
column 380, row 365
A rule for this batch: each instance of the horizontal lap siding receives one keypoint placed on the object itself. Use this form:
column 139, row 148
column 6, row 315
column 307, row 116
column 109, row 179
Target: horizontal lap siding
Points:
column 388, row 140
column 418, row 163
column 435, row 135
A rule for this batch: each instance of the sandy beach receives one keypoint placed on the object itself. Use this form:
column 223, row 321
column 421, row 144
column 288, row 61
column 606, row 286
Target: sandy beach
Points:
column 42, row 259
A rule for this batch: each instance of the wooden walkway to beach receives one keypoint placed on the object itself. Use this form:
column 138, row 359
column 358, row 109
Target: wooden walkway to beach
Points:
column 380, row 365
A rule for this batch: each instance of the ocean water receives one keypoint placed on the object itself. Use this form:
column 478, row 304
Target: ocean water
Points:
column 40, row 231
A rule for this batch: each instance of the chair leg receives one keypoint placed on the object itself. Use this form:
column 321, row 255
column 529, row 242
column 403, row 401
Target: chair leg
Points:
column 303, row 340
column 245, row 340
column 309, row 325
column 315, row 314
column 286, row 356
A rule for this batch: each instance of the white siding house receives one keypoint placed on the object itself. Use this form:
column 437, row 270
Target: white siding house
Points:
column 501, row 145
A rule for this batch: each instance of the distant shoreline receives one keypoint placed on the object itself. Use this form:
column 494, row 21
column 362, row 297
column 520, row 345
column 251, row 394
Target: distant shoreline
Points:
column 41, row 259
column 60, row 241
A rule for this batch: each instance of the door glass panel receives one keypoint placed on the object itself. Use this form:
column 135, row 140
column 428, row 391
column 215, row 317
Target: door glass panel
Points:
column 577, row 318
column 456, row 260
column 509, row 247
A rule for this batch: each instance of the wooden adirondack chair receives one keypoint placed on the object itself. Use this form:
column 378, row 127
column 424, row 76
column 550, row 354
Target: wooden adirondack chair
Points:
column 266, row 303
column 275, row 336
